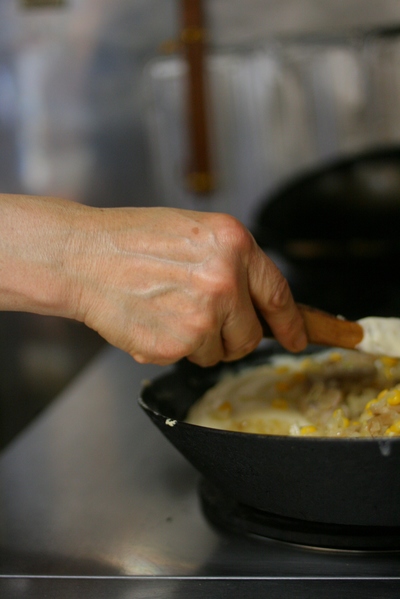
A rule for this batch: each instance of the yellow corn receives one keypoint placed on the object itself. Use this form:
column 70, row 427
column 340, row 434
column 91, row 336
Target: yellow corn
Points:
column 394, row 398
column 282, row 369
column 223, row 411
column 335, row 357
column 283, row 386
column 388, row 361
column 393, row 430
column 369, row 404
column 308, row 430
column 382, row 394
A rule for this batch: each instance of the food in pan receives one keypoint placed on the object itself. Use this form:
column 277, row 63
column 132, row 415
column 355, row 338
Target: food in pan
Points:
column 340, row 393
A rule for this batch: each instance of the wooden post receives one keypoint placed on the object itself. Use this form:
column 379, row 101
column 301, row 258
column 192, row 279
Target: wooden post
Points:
column 200, row 177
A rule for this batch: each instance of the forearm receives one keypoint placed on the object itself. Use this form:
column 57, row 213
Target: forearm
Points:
column 159, row 283
column 35, row 238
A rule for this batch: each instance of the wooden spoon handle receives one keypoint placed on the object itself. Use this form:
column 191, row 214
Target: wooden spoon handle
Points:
column 323, row 328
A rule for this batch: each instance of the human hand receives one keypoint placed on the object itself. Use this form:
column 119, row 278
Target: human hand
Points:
column 159, row 283
column 163, row 284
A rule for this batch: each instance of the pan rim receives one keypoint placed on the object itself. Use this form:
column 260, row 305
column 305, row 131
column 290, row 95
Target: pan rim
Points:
column 384, row 442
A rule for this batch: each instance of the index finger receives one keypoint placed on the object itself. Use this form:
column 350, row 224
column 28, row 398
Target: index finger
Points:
column 272, row 296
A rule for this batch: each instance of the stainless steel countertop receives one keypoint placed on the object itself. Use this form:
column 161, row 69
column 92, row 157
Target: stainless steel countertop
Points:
column 96, row 503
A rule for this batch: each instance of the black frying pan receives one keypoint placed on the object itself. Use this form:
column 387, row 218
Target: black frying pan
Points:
column 342, row 482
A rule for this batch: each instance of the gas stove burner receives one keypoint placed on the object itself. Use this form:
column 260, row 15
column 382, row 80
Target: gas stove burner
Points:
column 241, row 519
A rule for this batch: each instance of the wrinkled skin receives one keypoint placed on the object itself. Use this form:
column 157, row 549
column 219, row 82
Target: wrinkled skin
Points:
column 158, row 283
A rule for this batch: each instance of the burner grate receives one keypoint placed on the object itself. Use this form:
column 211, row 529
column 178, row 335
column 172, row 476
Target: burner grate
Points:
column 241, row 519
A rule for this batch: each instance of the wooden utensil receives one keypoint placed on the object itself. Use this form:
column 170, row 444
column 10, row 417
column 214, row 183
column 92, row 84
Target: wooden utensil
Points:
column 323, row 328
column 200, row 176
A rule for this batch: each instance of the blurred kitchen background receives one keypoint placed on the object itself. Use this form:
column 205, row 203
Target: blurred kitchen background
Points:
column 92, row 108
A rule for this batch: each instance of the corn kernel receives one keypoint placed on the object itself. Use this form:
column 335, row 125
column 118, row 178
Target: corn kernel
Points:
column 394, row 429
column 394, row 398
column 382, row 394
column 388, row 361
column 335, row 357
column 308, row 430
column 223, row 411
column 370, row 403
column 281, row 369
column 307, row 363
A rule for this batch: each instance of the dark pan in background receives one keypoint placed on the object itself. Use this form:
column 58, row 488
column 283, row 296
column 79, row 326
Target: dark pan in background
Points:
column 338, row 229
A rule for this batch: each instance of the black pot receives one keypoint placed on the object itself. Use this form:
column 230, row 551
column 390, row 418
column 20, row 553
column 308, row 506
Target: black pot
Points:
column 341, row 484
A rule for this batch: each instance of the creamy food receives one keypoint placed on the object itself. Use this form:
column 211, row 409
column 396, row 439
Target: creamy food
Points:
column 381, row 336
column 340, row 393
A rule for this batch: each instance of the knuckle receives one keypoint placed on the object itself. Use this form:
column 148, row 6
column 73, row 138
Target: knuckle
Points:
column 281, row 294
column 203, row 361
column 214, row 284
column 171, row 352
column 243, row 351
column 249, row 345
column 203, row 324
column 162, row 353
column 140, row 358
column 220, row 285
column 233, row 233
